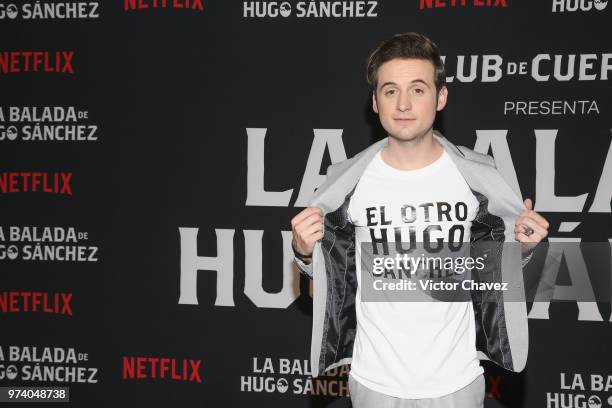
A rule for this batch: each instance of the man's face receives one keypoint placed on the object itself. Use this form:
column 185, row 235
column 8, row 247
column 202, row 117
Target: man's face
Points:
column 405, row 98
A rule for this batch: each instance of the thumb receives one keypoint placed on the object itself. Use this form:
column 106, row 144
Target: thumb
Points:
column 528, row 203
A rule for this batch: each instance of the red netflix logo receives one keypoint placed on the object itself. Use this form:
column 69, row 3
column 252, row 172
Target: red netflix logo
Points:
column 36, row 302
column 14, row 62
column 175, row 4
column 144, row 368
column 461, row 3
column 34, row 182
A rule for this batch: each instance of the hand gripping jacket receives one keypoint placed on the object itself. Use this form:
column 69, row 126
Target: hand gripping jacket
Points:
column 501, row 325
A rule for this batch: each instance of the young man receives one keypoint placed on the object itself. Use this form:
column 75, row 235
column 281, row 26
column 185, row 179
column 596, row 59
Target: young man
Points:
column 409, row 354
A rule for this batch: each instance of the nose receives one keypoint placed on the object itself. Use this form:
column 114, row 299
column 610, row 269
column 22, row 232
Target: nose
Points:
column 403, row 102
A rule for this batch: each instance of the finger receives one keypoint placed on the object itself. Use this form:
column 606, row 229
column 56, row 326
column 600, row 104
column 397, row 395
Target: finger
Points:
column 307, row 233
column 313, row 219
column 535, row 237
column 313, row 238
column 306, row 219
column 537, row 228
column 306, row 240
column 520, row 227
column 539, row 219
column 528, row 203
column 305, row 213
column 524, row 238
column 521, row 237
column 519, row 230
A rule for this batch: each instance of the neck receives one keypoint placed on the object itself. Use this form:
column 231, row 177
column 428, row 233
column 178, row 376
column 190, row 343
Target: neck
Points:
column 412, row 154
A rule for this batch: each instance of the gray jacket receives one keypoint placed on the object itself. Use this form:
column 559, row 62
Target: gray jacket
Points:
column 501, row 325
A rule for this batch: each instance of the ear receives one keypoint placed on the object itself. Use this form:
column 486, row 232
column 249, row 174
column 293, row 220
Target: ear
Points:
column 374, row 104
column 442, row 98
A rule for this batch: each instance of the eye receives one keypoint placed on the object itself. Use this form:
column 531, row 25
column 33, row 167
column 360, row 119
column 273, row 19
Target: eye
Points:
column 390, row 92
column 419, row 91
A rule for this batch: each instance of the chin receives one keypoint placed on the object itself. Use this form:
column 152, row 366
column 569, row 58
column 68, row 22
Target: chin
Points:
column 406, row 137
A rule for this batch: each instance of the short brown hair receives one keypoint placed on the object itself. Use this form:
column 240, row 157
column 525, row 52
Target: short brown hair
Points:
column 404, row 46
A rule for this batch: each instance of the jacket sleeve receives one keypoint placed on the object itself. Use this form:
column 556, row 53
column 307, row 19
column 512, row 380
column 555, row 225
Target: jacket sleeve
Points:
column 306, row 269
column 524, row 259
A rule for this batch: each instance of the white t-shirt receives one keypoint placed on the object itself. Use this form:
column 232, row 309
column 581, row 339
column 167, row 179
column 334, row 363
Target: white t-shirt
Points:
column 414, row 349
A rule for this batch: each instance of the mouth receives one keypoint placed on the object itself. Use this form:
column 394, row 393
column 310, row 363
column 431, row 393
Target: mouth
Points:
column 403, row 120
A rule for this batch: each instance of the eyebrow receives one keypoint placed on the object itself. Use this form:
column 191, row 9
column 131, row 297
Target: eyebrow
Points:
column 415, row 81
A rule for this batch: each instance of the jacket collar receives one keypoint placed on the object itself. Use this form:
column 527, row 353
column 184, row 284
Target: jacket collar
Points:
column 343, row 177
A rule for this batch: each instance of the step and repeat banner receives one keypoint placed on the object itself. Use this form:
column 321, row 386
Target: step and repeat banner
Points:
column 153, row 153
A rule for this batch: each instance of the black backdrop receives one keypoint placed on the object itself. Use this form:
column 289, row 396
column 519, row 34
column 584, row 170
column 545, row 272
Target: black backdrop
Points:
column 172, row 98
